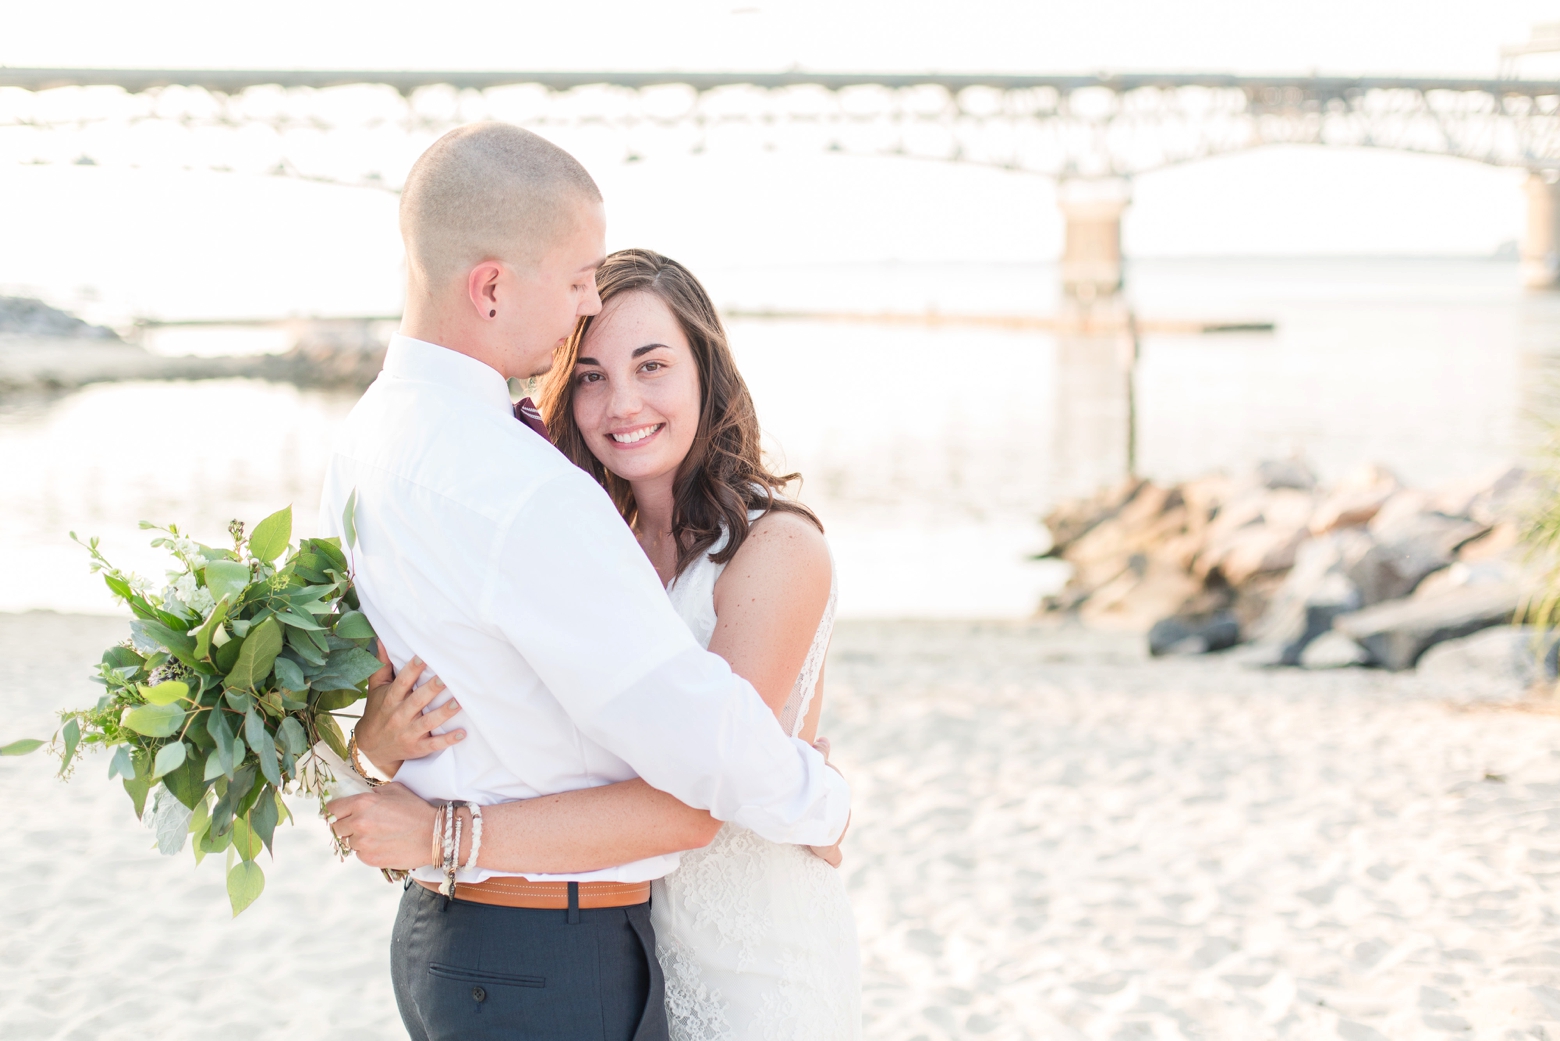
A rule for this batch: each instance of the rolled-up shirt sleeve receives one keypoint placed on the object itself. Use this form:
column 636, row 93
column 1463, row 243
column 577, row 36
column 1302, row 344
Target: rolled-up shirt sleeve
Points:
column 569, row 587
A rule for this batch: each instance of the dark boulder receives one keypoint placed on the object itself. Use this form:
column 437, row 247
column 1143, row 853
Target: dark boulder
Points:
column 1409, row 547
column 1316, row 590
column 1193, row 635
column 1396, row 634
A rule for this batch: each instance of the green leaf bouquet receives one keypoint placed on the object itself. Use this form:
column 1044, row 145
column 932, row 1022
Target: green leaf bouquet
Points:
column 229, row 677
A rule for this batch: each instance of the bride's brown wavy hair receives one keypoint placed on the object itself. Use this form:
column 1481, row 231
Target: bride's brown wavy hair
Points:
column 723, row 476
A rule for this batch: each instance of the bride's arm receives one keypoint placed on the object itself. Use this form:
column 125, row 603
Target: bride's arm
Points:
column 573, row 831
column 768, row 603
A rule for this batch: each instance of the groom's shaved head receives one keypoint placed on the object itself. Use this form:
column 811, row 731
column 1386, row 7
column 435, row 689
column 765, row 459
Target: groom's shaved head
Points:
column 488, row 191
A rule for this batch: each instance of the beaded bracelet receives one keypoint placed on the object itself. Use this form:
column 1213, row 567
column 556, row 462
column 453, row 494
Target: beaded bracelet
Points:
column 452, row 834
column 476, row 836
column 357, row 762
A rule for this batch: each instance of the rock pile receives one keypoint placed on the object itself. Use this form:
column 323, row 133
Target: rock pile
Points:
column 1366, row 572
column 24, row 316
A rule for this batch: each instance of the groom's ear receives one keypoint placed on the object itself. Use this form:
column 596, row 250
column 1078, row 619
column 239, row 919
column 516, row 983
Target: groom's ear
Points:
column 482, row 287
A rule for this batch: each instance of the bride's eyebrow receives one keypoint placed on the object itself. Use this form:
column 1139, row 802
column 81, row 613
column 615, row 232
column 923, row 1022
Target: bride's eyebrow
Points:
column 647, row 348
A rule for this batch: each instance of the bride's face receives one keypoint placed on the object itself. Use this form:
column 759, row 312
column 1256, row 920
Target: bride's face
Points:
column 636, row 389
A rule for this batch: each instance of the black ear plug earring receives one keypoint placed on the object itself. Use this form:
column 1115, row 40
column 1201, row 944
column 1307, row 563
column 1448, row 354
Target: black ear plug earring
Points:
column 493, row 314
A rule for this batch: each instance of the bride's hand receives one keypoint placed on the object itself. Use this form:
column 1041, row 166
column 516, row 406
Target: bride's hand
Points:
column 394, row 727
column 830, row 855
column 389, row 827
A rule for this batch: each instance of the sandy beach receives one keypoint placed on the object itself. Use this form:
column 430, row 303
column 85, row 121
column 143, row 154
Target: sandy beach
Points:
column 1053, row 838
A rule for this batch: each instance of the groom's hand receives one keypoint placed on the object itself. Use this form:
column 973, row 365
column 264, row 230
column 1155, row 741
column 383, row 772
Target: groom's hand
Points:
column 389, row 827
column 830, row 855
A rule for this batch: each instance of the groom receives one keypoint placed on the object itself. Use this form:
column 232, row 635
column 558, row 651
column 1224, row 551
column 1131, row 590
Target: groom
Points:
column 511, row 573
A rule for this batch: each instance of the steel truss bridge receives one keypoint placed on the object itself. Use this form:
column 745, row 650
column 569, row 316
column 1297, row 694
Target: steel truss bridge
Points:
column 1080, row 130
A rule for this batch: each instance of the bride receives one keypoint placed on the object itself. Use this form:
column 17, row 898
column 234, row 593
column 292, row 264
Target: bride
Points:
column 756, row 940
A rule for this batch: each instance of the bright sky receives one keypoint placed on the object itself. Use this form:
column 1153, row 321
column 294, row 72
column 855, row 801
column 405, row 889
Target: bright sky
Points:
column 1346, row 36
column 180, row 244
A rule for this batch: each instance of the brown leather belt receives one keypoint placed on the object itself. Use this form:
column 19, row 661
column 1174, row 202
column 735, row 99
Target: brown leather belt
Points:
column 509, row 891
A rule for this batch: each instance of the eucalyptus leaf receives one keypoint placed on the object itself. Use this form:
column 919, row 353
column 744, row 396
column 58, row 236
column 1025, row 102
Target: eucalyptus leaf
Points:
column 319, row 638
column 120, row 765
column 292, row 735
column 22, row 747
column 270, row 537
column 354, row 625
column 119, row 657
column 299, row 621
column 71, row 732
column 226, row 808
column 200, row 823
column 289, row 676
column 262, row 818
column 222, row 733
column 160, row 635
column 349, row 520
column 304, row 647
column 169, row 820
column 228, row 653
column 166, row 693
column 169, row 757
column 188, row 781
column 210, row 842
column 208, row 631
column 268, row 764
column 226, row 579
column 155, row 720
column 214, row 767
column 245, row 841
column 139, row 784
column 200, row 818
column 330, row 552
column 346, row 668
column 254, row 730
column 331, row 700
column 257, row 656
column 245, row 883
column 330, row 733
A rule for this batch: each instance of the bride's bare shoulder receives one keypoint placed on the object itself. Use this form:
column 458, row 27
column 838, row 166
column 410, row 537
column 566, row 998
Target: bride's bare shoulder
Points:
column 785, row 548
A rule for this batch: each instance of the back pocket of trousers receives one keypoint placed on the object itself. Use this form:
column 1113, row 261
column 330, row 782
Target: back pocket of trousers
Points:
column 491, row 979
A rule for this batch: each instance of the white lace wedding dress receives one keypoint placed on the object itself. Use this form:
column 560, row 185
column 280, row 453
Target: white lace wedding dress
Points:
column 756, row 939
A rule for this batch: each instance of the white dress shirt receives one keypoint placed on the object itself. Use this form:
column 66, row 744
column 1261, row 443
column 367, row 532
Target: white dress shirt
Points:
column 508, row 570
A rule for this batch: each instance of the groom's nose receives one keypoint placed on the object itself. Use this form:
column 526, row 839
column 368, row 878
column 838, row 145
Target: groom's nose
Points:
column 590, row 303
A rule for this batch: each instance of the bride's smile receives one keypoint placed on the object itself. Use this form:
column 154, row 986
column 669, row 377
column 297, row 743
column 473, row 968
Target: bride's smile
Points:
column 637, row 436
column 636, row 392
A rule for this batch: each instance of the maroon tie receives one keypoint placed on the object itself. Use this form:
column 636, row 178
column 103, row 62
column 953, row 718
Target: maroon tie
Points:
column 526, row 412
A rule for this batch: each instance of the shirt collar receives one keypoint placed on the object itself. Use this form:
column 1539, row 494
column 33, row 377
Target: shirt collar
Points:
column 412, row 359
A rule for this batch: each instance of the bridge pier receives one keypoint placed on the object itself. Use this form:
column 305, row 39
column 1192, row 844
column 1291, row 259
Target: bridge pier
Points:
column 1091, row 255
column 1541, row 243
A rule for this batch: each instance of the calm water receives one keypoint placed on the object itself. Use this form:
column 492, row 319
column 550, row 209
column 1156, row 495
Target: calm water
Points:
column 930, row 451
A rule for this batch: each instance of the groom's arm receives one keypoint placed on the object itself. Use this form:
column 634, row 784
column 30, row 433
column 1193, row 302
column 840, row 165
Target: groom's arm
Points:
column 571, row 589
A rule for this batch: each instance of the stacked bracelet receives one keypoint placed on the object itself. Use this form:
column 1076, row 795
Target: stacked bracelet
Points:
column 452, row 833
column 476, row 836
column 438, row 846
column 447, row 829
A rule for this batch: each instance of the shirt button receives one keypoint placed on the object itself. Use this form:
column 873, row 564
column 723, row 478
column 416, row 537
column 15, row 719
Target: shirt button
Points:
column 478, row 994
